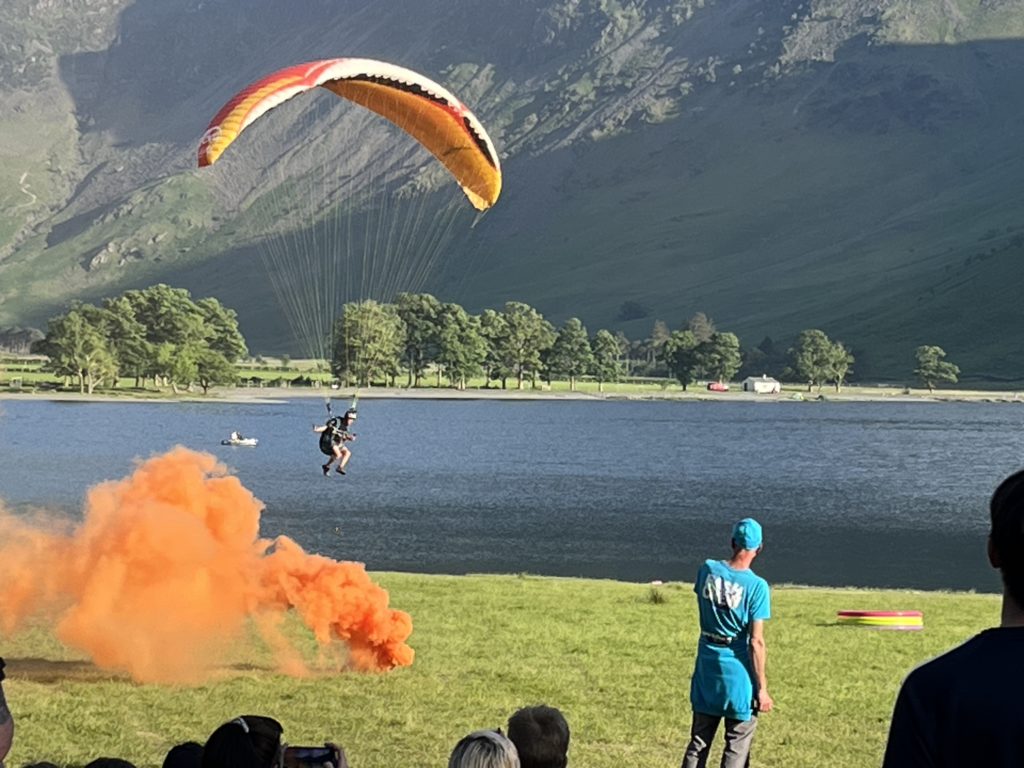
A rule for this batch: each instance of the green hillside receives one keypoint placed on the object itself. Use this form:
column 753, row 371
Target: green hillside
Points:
column 851, row 165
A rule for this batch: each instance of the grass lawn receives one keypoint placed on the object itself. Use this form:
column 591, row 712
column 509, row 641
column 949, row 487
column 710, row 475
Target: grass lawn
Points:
column 614, row 658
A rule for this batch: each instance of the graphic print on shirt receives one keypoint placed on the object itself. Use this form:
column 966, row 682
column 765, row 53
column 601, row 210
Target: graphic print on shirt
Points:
column 724, row 594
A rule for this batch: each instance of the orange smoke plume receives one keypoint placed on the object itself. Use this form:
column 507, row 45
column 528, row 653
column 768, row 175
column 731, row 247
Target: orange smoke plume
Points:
column 167, row 570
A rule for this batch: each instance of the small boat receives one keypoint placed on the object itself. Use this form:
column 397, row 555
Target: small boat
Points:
column 237, row 439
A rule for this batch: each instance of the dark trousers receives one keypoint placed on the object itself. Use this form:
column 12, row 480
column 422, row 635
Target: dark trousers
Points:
column 739, row 735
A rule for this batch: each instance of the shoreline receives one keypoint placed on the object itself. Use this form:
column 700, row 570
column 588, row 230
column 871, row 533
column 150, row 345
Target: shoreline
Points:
column 277, row 395
column 384, row 573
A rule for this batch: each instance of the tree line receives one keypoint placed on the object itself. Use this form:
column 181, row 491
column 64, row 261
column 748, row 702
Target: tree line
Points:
column 161, row 334
column 418, row 333
column 157, row 333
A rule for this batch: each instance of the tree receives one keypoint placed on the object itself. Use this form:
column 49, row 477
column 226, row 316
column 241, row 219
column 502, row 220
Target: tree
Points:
column 213, row 369
column 680, row 355
column 221, row 330
column 18, row 340
column 701, row 326
column 157, row 331
column 840, row 365
column 169, row 314
column 606, row 358
column 493, row 328
column 368, row 340
column 625, row 349
column 647, row 351
column 719, row 356
column 77, row 349
column 180, row 363
column 127, row 338
column 170, row 318
column 659, row 335
column 180, row 332
column 419, row 312
column 766, row 358
column 571, row 355
column 812, row 357
column 527, row 335
column 461, row 349
column 932, row 368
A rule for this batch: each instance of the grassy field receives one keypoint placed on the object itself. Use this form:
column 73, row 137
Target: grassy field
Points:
column 615, row 657
column 24, row 374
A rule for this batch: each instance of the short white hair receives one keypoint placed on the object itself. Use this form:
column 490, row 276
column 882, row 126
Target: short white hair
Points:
column 484, row 749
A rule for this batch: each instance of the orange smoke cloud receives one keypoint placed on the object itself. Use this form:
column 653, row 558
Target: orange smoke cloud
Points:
column 167, row 571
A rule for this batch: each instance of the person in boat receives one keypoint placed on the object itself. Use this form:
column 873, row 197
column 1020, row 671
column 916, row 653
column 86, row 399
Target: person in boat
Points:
column 334, row 435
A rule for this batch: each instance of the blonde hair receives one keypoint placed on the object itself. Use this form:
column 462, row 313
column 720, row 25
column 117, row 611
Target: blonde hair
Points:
column 484, row 749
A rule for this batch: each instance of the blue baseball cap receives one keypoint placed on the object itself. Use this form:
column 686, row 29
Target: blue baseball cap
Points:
column 746, row 534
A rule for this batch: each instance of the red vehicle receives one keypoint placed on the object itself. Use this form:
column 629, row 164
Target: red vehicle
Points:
column 718, row 386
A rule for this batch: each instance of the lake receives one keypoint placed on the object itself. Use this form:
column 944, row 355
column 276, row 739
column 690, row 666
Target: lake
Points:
column 890, row 494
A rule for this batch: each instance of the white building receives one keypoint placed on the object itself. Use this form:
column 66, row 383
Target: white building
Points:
column 762, row 385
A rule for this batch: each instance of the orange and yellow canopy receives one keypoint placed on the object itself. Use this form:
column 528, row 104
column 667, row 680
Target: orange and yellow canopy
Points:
column 419, row 106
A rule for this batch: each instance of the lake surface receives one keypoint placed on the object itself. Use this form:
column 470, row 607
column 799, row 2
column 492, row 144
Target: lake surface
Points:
column 849, row 493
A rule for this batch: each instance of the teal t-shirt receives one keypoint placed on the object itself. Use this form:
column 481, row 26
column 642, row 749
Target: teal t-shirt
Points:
column 728, row 601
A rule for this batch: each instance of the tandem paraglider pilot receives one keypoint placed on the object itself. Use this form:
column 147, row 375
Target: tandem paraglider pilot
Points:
column 334, row 434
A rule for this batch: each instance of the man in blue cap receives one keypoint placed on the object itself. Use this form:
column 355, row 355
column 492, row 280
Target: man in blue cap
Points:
column 729, row 679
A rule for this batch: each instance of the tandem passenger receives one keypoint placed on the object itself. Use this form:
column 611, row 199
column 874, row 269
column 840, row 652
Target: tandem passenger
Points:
column 964, row 707
column 729, row 681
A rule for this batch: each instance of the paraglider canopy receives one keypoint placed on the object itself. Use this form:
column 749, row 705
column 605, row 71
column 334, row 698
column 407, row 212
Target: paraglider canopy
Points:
column 424, row 109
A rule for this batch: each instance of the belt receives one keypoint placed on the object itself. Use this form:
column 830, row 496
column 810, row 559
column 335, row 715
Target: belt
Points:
column 715, row 639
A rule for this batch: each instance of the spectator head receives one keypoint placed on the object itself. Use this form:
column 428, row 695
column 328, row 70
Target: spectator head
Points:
column 109, row 762
column 1006, row 539
column 541, row 736
column 188, row 754
column 484, row 749
column 250, row 741
column 747, row 534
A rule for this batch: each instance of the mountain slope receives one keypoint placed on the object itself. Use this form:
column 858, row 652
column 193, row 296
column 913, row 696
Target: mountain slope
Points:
column 851, row 165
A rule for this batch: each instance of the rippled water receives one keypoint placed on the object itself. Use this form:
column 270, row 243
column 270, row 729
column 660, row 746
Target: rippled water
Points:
column 870, row 494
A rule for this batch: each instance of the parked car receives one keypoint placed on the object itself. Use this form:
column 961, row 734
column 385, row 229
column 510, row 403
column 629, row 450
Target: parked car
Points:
column 718, row 386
